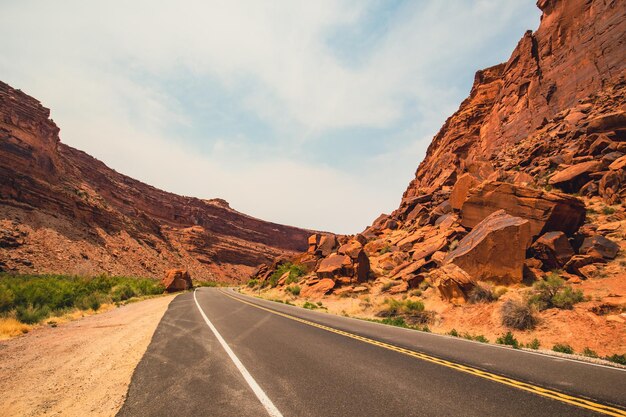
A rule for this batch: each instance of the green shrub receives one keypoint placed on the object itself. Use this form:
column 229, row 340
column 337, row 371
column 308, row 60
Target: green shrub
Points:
column 122, row 292
column 552, row 292
column 7, row 298
column 387, row 286
column 310, row 306
column 517, row 315
column 394, row 321
column 32, row 315
column 253, row 283
column 563, row 348
column 534, row 344
column 295, row 273
column 481, row 338
column 294, row 290
column 454, row 333
column 482, row 294
column 608, row 210
column 508, row 339
column 589, row 353
column 621, row 359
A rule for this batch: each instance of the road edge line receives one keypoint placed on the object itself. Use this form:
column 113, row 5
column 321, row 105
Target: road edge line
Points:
column 258, row 391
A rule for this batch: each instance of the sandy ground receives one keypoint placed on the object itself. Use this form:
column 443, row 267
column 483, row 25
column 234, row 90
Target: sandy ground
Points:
column 81, row 368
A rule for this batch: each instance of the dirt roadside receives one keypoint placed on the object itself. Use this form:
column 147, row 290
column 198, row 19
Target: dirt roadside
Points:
column 81, row 368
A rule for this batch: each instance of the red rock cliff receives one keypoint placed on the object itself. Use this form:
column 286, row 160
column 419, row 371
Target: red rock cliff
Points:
column 63, row 211
column 572, row 66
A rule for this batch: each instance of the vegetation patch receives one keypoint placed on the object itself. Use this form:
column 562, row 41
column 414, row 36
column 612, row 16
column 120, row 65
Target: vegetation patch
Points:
column 518, row 315
column 293, row 289
column 31, row 299
column 295, row 271
column 553, row 293
column 509, row 340
column 563, row 348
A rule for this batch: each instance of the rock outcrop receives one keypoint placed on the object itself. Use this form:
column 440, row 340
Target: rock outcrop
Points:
column 62, row 211
column 495, row 249
column 177, row 280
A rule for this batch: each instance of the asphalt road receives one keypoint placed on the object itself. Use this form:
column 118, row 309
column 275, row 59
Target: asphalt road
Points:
column 250, row 357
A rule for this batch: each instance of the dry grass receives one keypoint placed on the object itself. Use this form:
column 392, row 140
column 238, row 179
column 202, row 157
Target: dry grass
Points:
column 11, row 327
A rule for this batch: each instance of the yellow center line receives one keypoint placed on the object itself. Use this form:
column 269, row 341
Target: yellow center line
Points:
column 544, row 392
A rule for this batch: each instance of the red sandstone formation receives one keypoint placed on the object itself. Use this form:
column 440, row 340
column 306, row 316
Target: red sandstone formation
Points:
column 62, row 211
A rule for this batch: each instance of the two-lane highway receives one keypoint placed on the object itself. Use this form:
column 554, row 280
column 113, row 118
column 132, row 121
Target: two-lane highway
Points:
column 218, row 353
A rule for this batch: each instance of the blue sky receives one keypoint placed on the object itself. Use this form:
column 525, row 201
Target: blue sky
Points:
column 314, row 114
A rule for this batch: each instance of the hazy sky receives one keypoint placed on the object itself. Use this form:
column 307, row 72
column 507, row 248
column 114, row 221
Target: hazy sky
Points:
column 310, row 113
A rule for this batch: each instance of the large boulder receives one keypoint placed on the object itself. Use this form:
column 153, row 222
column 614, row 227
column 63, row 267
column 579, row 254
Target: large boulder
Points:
column 327, row 244
column 318, row 289
column 335, row 265
column 572, row 178
column 177, row 280
column 545, row 211
column 495, row 249
column 599, row 247
column 553, row 250
column 453, row 283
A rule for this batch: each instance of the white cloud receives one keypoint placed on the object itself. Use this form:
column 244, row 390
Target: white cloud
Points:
column 90, row 62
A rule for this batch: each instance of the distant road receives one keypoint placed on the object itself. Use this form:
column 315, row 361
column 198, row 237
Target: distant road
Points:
column 219, row 353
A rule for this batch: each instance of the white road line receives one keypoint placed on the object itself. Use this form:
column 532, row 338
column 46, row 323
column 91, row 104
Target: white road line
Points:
column 260, row 394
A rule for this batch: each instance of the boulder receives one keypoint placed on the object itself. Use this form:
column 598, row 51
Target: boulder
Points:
column 361, row 267
column 461, row 189
column 335, row 265
column 577, row 263
column 453, row 283
column 313, row 241
column 352, row 249
column 571, row 179
column 600, row 247
column 177, row 280
column 327, row 244
column 552, row 249
column 429, row 246
column 323, row 286
column 544, row 211
column 495, row 249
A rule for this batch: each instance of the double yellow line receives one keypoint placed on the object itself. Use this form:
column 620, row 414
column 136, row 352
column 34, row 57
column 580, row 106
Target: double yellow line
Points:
column 544, row 392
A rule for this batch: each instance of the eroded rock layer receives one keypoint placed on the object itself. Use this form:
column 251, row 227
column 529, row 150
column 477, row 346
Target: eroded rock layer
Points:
column 62, row 211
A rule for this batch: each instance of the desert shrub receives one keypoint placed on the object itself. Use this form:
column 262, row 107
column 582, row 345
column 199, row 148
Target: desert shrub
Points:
column 517, row 315
column 534, row 344
column 122, row 292
column 293, row 289
column 310, row 306
column 621, row 359
column 295, row 273
column 589, row 353
column 482, row 294
column 563, row 348
column 552, row 292
column 387, row 286
column 411, row 306
column 7, row 299
column 453, row 332
column 252, row 283
column 480, row 338
column 508, row 339
column 608, row 210
column 394, row 321
column 32, row 315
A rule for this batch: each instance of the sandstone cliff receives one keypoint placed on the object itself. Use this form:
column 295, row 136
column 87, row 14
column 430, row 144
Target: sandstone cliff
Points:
column 62, row 211
column 540, row 102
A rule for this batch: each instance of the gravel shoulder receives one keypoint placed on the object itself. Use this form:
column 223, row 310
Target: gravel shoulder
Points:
column 80, row 368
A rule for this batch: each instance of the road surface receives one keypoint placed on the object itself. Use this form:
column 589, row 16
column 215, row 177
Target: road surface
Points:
column 219, row 353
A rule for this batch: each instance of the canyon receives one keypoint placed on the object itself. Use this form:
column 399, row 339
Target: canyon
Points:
column 522, row 188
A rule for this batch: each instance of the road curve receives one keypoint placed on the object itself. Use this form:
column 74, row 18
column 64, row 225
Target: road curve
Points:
column 245, row 352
